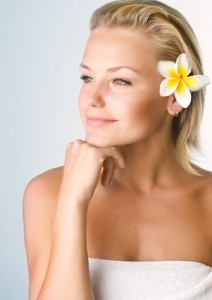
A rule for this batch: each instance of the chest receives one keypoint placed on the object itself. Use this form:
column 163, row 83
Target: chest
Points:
column 148, row 230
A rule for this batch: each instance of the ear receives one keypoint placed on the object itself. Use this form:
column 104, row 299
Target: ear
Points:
column 173, row 107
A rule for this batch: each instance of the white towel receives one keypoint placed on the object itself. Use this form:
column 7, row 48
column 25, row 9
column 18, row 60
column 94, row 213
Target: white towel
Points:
column 152, row 280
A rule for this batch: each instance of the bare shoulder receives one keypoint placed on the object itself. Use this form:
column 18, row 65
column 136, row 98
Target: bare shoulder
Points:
column 203, row 185
column 206, row 183
column 39, row 206
column 206, row 197
column 201, row 190
column 207, row 192
column 43, row 190
column 51, row 178
column 40, row 198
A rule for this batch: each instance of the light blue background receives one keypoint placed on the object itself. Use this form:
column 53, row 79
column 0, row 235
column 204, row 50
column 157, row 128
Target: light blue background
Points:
column 41, row 45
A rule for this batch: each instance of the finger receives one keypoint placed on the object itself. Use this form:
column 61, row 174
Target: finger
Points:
column 108, row 171
column 69, row 145
column 78, row 142
column 118, row 158
column 72, row 147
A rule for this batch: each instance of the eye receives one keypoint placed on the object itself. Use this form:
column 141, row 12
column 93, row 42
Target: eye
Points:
column 86, row 78
column 120, row 81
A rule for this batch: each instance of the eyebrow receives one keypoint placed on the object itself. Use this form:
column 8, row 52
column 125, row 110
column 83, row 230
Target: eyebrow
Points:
column 113, row 69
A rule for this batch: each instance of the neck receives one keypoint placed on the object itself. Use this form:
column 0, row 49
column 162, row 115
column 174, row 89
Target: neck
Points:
column 148, row 165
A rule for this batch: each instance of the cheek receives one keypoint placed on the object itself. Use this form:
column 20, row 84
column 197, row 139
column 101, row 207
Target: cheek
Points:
column 145, row 116
column 137, row 110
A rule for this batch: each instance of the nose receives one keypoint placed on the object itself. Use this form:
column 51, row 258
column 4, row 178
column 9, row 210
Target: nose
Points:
column 95, row 97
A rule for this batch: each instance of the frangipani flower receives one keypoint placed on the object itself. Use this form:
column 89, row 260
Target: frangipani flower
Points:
column 177, row 80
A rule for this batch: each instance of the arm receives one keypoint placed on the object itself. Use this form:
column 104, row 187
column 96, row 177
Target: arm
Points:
column 63, row 259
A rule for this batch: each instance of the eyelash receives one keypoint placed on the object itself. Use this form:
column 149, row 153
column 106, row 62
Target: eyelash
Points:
column 117, row 81
column 86, row 78
column 120, row 81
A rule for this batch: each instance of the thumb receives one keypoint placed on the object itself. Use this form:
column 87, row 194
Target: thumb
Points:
column 109, row 167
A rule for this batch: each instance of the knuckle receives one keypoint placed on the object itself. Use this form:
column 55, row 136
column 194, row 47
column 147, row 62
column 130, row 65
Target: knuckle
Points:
column 68, row 146
column 78, row 142
column 92, row 151
column 95, row 153
column 101, row 160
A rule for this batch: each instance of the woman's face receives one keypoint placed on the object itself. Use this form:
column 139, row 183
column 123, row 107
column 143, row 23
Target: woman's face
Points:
column 119, row 100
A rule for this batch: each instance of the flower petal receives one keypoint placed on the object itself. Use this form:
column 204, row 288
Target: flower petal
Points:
column 167, row 69
column 168, row 86
column 196, row 82
column 183, row 66
column 182, row 94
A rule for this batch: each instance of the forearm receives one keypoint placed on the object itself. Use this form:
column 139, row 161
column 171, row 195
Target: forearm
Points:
column 67, row 276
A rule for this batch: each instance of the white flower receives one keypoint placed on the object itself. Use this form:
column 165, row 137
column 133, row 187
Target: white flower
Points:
column 177, row 80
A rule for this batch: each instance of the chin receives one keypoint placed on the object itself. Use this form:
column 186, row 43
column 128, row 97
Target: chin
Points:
column 99, row 142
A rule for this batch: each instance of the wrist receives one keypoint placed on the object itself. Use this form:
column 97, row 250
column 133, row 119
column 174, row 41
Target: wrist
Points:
column 71, row 202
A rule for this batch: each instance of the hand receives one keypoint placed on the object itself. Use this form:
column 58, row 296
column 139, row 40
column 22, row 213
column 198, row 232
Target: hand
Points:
column 82, row 169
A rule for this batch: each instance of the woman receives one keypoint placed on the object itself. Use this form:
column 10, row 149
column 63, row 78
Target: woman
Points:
column 128, row 216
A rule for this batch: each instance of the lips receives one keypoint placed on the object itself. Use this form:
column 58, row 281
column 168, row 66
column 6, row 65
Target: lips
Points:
column 95, row 122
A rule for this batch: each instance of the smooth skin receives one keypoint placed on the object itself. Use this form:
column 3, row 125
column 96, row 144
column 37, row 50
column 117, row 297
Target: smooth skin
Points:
column 121, row 194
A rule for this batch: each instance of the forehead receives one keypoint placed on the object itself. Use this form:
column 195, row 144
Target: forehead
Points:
column 119, row 46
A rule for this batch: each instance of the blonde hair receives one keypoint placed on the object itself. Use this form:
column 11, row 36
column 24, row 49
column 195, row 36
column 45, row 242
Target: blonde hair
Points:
column 172, row 35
